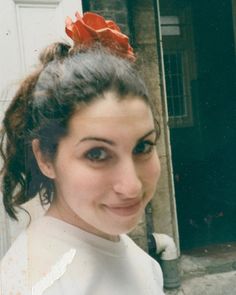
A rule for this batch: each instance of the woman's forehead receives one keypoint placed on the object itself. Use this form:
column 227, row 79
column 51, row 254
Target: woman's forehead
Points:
column 112, row 118
column 111, row 106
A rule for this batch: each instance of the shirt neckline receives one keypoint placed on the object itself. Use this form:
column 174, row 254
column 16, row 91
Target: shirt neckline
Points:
column 76, row 236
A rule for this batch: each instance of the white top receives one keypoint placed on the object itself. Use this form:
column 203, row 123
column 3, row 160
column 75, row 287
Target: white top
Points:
column 53, row 257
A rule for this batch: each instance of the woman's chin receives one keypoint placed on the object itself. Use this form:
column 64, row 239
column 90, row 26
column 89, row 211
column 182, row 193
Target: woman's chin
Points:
column 123, row 228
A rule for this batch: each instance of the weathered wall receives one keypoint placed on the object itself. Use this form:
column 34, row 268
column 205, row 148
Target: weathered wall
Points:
column 137, row 18
column 118, row 11
column 115, row 10
column 147, row 41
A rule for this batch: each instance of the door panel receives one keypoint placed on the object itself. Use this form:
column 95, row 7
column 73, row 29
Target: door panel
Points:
column 26, row 26
column 202, row 151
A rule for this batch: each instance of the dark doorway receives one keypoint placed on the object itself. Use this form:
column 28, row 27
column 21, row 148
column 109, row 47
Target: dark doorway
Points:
column 199, row 58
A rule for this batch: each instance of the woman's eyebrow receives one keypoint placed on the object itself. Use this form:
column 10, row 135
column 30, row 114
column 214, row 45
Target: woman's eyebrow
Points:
column 108, row 141
column 147, row 134
column 97, row 139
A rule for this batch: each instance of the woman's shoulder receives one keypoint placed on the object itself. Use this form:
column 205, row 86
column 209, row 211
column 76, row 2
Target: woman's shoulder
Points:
column 143, row 259
column 35, row 260
column 17, row 252
column 13, row 267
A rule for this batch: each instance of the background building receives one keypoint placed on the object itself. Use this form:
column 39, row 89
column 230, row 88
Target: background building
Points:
column 194, row 42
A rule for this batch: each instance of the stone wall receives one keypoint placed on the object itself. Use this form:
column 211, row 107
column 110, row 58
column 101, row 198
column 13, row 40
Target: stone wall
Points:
column 115, row 10
column 137, row 18
column 118, row 11
column 147, row 42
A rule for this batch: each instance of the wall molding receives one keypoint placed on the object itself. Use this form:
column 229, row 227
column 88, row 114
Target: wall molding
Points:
column 5, row 232
column 36, row 2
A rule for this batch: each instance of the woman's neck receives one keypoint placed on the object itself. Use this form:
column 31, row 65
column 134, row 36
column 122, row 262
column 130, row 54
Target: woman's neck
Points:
column 63, row 214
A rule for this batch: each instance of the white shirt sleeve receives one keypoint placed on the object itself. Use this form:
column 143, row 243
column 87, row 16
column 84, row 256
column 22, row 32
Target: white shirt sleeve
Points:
column 13, row 268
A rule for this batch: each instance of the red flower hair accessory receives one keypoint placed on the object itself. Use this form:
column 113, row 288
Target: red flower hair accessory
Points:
column 92, row 28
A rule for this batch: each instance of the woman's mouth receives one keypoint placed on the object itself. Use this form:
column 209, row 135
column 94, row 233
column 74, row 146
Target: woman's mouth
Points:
column 124, row 209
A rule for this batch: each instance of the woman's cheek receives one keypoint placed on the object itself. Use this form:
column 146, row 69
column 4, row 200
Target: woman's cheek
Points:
column 90, row 181
column 154, row 168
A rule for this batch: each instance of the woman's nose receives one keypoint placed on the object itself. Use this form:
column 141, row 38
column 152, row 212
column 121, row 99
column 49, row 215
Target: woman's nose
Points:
column 127, row 181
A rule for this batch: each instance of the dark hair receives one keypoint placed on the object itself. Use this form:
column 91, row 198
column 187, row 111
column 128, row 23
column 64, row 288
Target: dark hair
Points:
column 43, row 106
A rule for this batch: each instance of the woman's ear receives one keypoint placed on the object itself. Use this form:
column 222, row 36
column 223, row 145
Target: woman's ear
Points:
column 45, row 165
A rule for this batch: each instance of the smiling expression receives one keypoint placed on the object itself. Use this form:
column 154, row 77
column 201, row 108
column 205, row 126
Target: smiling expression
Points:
column 107, row 167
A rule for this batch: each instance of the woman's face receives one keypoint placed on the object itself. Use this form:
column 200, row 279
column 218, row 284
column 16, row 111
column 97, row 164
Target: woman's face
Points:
column 107, row 167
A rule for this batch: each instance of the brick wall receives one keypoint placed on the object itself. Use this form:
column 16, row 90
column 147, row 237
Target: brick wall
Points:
column 115, row 10
column 143, row 21
column 137, row 19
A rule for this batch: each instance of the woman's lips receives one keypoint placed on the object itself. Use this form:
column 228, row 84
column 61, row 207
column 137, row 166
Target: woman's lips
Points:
column 124, row 210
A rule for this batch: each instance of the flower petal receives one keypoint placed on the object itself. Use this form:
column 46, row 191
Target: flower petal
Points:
column 92, row 28
column 69, row 22
column 94, row 21
column 108, row 35
column 69, row 26
column 112, row 25
column 80, row 34
column 78, row 16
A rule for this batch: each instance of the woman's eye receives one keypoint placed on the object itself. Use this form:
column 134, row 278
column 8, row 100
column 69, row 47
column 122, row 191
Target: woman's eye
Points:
column 97, row 154
column 143, row 147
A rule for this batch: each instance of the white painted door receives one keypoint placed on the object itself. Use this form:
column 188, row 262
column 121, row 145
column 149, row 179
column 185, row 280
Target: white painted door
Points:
column 26, row 27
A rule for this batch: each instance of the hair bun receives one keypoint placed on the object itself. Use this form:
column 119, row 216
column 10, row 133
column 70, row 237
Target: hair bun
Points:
column 55, row 51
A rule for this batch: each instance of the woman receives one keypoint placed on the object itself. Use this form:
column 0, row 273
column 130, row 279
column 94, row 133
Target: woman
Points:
column 81, row 134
